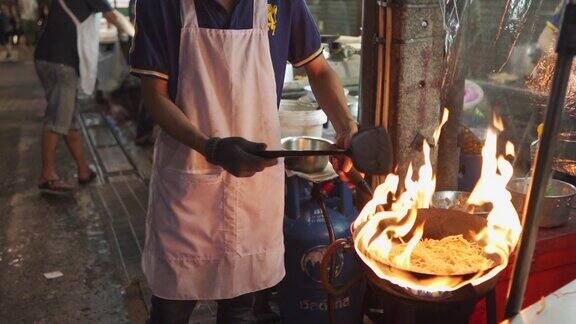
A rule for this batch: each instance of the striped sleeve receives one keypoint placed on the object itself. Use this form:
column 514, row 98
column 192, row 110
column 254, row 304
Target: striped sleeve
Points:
column 149, row 52
column 305, row 44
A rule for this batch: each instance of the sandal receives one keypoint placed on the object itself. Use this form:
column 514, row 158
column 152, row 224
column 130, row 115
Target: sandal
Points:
column 144, row 140
column 55, row 187
column 89, row 179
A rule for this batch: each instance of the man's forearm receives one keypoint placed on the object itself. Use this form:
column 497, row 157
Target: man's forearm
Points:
column 172, row 120
column 330, row 96
column 121, row 22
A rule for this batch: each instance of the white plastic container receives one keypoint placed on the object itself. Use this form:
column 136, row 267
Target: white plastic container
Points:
column 309, row 99
column 289, row 74
column 300, row 120
column 295, row 105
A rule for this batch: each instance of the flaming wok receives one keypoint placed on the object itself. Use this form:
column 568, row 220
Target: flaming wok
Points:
column 388, row 241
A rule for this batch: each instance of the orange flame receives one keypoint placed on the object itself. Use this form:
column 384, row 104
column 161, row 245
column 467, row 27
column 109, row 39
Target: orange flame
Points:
column 503, row 230
column 403, row 259
column 510, row 149
column 375, row 232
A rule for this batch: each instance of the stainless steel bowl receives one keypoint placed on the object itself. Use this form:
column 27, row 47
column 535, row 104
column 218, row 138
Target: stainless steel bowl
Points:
column 567, row 146
column 557, row 202
column 457, row 200
column 565, row 158
column 306, row 164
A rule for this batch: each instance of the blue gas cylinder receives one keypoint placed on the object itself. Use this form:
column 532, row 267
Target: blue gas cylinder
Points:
column 302, row 298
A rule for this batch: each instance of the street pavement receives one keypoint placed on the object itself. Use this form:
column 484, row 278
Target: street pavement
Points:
column 41, row 235
column 89, row 244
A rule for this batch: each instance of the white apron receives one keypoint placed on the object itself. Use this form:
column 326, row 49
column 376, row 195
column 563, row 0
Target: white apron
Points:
column 87, row 35
column 211, row 235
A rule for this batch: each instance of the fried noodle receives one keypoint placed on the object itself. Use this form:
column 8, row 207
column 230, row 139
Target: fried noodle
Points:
column 450, row 255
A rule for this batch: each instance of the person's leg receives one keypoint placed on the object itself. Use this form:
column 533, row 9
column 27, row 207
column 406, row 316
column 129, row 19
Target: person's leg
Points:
column 27, row 32
column 164, row 311
column 239, row 310
column 262, row 309
column 59, row 84
column 62, row 117
column 75, row 146
column 8, row 48
column 3, row 44
column 49, row 145
column 33, row 32
column 50, row 136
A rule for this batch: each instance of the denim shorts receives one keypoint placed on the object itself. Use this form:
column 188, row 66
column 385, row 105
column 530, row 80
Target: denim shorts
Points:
column 60, row 84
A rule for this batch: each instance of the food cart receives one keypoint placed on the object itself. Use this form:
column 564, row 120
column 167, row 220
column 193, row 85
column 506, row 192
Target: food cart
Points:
column 477, row 59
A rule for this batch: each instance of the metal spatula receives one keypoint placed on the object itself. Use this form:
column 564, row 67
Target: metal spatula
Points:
column 370, row 151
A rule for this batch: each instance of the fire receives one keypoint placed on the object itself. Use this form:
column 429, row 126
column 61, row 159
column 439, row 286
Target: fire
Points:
column 404, row 258
column 504, row 227
column 376, row 232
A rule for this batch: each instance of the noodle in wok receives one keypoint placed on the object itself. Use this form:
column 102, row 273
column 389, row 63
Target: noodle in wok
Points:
column 451, row 255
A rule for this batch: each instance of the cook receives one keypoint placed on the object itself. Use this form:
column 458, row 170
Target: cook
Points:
column 212, row 74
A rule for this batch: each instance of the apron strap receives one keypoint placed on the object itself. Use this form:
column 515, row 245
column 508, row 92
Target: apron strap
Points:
column 188, row 12
column 260, row 15
column 69, row 12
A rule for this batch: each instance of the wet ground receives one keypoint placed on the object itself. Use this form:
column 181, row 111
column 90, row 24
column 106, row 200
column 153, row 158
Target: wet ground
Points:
column 40, row 235
column 74, row 259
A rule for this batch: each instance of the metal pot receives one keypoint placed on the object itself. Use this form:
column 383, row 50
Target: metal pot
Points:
column 557, row 202
column 565, row 154
column 306, row 164
column 565, row 159
column 567, row 145
column 457, row 200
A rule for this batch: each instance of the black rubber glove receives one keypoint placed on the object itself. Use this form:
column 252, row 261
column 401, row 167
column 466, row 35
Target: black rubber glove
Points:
column 236, row 155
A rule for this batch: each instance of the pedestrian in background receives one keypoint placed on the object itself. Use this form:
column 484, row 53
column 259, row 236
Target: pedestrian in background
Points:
column 29, row 20
column 16, row 25
column 66, row 59
column 5, row 31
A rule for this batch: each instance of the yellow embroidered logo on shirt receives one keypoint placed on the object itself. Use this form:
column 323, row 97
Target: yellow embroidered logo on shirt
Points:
column 272, row 14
